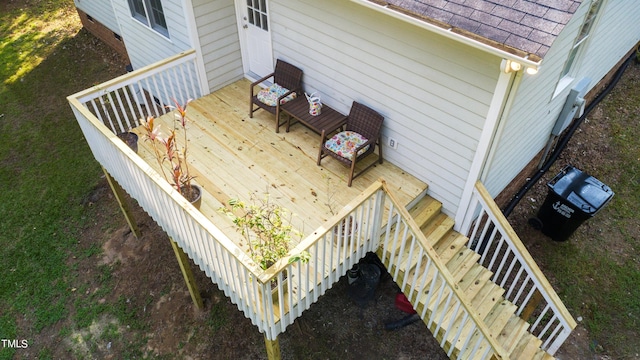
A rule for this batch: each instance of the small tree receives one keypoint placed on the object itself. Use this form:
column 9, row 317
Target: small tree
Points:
column 263, row 225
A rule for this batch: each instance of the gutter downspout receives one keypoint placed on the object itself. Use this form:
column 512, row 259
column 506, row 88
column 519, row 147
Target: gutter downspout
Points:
column 505, row 86
column 448, row 33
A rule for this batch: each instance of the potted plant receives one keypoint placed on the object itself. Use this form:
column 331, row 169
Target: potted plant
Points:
column 172, row 158
column 130, row 138
column 266, row 227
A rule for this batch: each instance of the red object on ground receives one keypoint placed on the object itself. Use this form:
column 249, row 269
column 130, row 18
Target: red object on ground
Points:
column 403, row 304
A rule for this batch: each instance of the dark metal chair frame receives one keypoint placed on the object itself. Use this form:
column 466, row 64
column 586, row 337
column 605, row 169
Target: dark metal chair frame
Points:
column 366, row 122
column 285, row 75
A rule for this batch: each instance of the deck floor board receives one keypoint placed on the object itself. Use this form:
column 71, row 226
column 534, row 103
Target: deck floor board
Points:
column 234, row 156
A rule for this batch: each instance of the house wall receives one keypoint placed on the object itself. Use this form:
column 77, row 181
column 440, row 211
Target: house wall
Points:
column 106, row 35
column 217, row 29
column 535, row 110
column 101, row 10
column 434, row 93
column 146, row 46
column 98, row 18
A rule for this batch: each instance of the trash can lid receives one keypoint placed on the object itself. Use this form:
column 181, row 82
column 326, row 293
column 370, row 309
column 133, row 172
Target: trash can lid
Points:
column 581, row 190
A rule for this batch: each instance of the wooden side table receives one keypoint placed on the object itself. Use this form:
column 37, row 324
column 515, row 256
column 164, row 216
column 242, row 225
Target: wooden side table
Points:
column 328, row 120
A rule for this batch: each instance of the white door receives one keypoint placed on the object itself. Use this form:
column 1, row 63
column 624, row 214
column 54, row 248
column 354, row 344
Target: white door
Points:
column 255, row 24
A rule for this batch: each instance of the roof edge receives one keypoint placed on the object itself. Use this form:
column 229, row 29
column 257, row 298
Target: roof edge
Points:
column 453, row 33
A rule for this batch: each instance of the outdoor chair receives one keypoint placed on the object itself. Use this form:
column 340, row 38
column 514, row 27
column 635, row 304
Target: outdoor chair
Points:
column 287, row 84
column 359, row 138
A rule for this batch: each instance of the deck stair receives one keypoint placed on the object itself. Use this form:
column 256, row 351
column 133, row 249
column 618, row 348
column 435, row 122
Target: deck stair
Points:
column 473, row 280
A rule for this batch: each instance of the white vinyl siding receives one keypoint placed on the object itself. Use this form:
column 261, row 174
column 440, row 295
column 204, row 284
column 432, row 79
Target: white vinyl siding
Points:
column 144, row 45
column 535, row 110
column 434, row 93
column 217, row 28
column 616, row 33
column 101, row 11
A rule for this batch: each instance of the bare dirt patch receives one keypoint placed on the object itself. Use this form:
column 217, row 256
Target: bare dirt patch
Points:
column 147, row 278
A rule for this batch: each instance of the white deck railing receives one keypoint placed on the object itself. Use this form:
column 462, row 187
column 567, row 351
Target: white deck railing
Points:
column 332, row 250
column 514, row 270
column 110, row 108
column 270, row 299
column 122, row 102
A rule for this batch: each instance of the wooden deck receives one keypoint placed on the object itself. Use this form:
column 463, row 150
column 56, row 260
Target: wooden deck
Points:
column 234, row 156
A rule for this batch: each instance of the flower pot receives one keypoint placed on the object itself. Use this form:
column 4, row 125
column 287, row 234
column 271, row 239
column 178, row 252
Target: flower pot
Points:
column 193, row 193
column 343, row 234
column 131, row 139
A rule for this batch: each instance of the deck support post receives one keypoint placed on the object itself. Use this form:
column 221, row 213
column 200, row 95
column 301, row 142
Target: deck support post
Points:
column 119, row 193
column 183, row 260
column 273, row 348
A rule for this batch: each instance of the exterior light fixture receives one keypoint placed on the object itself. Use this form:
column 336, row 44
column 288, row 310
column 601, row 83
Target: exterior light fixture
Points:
column 510, row 66
column 532, row 70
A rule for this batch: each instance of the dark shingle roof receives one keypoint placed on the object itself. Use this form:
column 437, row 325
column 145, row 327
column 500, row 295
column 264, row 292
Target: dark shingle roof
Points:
column 523, row 27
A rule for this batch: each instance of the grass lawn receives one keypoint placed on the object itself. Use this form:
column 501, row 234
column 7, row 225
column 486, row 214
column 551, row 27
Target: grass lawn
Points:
column 48, row 174
column 46, row 167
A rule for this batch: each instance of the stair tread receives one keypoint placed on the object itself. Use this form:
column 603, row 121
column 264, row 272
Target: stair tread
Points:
column 473, row 352
column 500, row 315
column 512, row 332
column 542, row 355
column 527, row 347
column 425, row 209
column 473, row 286
column 461, row 263
column 486, row 298
column 450, row 245
column 437, row 228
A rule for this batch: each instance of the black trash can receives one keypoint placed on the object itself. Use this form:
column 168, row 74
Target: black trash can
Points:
column 573, row 197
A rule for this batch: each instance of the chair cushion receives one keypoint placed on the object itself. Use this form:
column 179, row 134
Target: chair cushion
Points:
column 344, row 144
column 270, row 95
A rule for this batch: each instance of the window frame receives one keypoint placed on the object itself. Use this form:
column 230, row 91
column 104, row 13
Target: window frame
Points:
column 583, row 36
column 150, row 15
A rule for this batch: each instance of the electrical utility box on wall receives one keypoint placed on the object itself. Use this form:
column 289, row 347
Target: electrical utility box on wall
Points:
column 573, row 107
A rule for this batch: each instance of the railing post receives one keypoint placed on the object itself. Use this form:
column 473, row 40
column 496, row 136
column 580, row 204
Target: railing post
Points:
column 470, row 215
column 183, row 261
column 560, row 339
column 377, row 219
column 124, row 205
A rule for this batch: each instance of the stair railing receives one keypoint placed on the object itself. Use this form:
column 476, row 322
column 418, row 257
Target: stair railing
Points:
column 502, row 252
column 432, row 289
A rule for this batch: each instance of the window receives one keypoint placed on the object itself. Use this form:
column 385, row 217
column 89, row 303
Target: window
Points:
column 150, row 13
column 257, row 10
column 582, row 36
